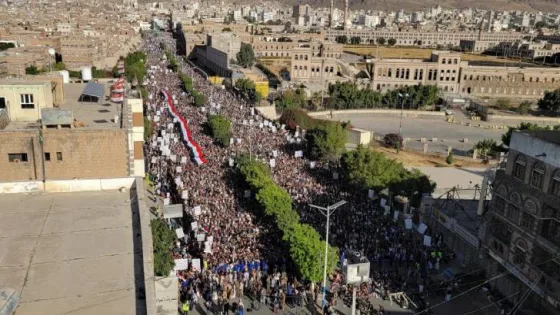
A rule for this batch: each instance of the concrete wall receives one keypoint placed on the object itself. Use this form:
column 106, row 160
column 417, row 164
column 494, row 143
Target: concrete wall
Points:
column 85, row 154
column 65, row 185
column 359, row 136
column 406, row 113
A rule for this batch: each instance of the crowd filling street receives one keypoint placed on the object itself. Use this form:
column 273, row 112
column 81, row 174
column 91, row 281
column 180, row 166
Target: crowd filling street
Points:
column 245, row 256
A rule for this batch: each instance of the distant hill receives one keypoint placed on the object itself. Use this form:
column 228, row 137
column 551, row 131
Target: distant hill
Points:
column 410, row 5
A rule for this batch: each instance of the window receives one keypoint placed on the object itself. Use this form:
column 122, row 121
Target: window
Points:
column 537, row 175
column 47, row 156
column 518, row 257
column 555, row 185
column 519, row 167
column 2, row 102
column 59, row 156
column 527, row 221
column 26, row 101
column 17, row 157
column 513, row 213
column 500, row 205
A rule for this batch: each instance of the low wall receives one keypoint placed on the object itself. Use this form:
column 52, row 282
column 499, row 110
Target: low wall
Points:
column 65, row 185
column 543, row 119
column 269, row 112
column 406, row 113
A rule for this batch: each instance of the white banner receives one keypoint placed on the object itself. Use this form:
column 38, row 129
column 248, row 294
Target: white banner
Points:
column 408, row 224
column 200, row 237
column 196, row 264
column 194, row 225
column 396, row 216
column 180, row 233
column 427, row 241
column 181, row 264
column 383, row 202
column 185, row 194
column 422, row 228
column 371, row 194
column 272, row 163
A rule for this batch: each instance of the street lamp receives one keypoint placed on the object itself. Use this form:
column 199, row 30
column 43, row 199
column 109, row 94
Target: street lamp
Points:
column 327, row 213
column 402, row 97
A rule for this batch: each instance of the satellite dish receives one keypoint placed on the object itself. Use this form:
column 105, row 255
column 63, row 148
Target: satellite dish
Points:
column 52, row 51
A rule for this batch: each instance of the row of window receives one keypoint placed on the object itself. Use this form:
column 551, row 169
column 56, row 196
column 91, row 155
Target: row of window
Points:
column 22, row 157
column 314, row 69
column 538, row 173
column 503, row 90
column 500, row 78
column 449, row 61
column 26, row 101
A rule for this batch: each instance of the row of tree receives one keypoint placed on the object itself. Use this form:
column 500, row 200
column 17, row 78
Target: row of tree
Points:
column 488, row 147
column 357, row 40
column 135, row 66
column 198, row 98
column 172, row 61
column 304, row 243
column 220, row 129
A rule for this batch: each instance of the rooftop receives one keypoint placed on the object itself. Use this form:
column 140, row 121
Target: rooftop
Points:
column 88, row 115
column 69, row 252
column 551, row 136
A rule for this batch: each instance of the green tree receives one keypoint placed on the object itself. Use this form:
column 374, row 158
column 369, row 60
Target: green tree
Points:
column 381, row 40
column 32, row 70
column 486, row 146
column 226, row 29
column 326, row 141
column 4, row 46
column 59, row 66
column 342, row 39
column 134, row 66
column 367, row 169
column 392, row 42
column 355, row 40
column 347, row 95
column 163, row 238
column 199, row 99
column 147, row 129
column 503, row 103
column 293, row 117
column 246, row 56
column 220, row 129
column 449, row 159
column 524, row 107
column 506, row 137
column 291, row 99
column 550, row 101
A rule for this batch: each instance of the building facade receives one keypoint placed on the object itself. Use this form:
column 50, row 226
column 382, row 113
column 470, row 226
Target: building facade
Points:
column 523, row 223
column 446, row 70
column 308, row 67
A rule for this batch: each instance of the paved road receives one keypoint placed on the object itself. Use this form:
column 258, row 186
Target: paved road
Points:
column 421, row 127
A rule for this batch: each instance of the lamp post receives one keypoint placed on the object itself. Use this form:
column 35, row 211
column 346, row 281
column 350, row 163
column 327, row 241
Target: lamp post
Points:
column 402, row 97
column 327, row 213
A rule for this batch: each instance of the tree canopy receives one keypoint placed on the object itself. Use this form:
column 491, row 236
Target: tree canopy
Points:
column 248, row 88
column 291, row 99
column 418, row 95
column 347, row 95
column 305, row 244
column 220, row 129
column 392, row 42
column 326, row 141
column 134, row 66
column 32, row 70
column 163, row 238
column 550, row 101
column 367, row 169
column 506, row 137
column 246, row 56
column 486, row 147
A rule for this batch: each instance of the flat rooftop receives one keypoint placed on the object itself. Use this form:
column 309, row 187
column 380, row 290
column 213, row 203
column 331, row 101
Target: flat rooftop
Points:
column 552, row 136
column 69, row 253
column 92, row 115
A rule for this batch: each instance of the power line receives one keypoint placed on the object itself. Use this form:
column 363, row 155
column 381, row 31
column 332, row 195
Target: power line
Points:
column 471, row 289
column 486, row 306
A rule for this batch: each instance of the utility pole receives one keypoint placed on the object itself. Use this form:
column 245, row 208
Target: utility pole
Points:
column 327, row 213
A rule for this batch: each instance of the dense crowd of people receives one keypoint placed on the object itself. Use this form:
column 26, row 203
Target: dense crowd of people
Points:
column 245, row 255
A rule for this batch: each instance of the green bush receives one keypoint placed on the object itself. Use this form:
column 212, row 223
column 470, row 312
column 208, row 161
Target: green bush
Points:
column 163, row 239
column 199, row 99
column 297, row 117
column 326, row 141
column 220, row 129
column 449, row 159
column 306, row 246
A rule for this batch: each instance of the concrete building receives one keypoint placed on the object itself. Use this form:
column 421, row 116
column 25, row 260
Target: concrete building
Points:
column 477, row 46
column 523, row 224
column 271, row 47
column 76, row 140
column 428, row 38
column 446, row 70
column 300, row 10
column 306, row 66
column 221, row 49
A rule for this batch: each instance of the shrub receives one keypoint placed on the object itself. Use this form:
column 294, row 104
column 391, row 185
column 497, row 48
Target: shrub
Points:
column 393, row 140
column 220, row 129
column 449, row 159
column 163, row 238
column 296, row 117
column 199, row 99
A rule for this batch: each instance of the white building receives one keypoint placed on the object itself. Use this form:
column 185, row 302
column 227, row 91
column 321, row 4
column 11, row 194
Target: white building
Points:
column 417, row 17
column 267, row 16
column 237, row 15
column 368, row 20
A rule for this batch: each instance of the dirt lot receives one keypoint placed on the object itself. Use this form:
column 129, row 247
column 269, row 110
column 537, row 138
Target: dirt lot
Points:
column 414, row 53
column 412, row 158
column 276, row 65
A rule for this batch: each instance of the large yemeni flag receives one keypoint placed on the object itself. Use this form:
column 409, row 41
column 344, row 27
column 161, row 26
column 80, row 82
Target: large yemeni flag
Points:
column 187, row 137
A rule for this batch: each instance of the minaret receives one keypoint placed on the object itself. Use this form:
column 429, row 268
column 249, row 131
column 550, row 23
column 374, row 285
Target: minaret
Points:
column 346, row 14
column 331, row 20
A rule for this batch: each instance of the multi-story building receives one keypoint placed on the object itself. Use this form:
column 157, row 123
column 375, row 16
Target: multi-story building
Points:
column 267, row 47
column 425, row 38
column 220, row 50
column 78, row 51
column 307, row 66
column 523, row 224
column 446, row 70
